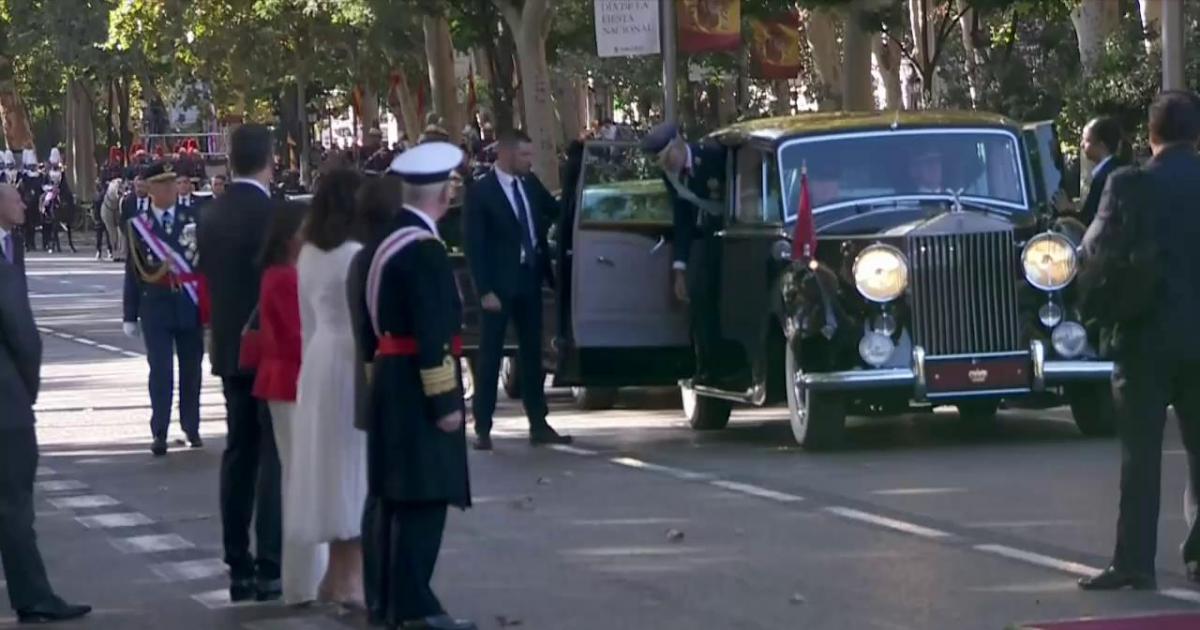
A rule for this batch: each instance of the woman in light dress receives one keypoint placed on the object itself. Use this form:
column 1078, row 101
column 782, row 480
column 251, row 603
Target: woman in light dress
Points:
column 328, row 476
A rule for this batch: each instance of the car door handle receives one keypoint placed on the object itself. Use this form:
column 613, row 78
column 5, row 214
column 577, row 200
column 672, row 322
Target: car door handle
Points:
column 662, row 240
column 606, row 261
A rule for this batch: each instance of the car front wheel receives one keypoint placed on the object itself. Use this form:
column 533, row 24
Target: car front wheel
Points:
column 704, row 413
column 510, row 378
column 1093, row 409
column 818, row 418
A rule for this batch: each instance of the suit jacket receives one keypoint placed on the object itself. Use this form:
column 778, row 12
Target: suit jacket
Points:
column 18, row 251
column 20, row 351
column 1171, row 197
column 705, row 178
column 155, row 304
column 231, row 233
column 280, row 335
column 1091, row 203
column 493, row 233
column 129, row 207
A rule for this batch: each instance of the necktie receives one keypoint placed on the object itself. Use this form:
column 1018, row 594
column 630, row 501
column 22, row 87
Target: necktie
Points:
column 8, row 248
column 166, row 221
column 141, row 205
column 523, row 219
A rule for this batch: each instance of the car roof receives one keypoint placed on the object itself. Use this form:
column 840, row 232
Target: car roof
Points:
column 775, row 129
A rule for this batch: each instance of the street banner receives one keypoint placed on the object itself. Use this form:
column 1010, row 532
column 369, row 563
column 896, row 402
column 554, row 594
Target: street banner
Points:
column 775, row 48
column 709, row 25
column 627, row 28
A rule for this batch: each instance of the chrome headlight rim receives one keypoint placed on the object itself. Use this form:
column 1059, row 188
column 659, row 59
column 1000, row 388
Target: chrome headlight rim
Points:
column 1067, row 247
column 897, row 254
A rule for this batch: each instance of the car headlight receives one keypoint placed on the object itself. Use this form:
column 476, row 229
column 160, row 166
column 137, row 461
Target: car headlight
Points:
column 880, row 273
column 1069, row 339
column 1049, row 261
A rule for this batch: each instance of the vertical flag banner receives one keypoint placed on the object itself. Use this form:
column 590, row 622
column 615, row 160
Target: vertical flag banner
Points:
column 709, row 25
column 775, row 48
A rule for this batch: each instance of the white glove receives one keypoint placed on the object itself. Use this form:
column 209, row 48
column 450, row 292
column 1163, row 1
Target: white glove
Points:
column 130, row 329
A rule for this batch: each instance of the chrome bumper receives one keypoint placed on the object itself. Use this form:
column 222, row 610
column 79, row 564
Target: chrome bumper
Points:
column 1046, row 373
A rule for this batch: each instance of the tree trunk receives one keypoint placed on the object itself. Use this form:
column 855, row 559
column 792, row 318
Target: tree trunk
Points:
column 503, row 90
column 857, row 94
column 79, row 161
column 566, row 100
column 1095, row 21
column 404, row 106
column 782, row 91
column 727, row 105
column 887, row 63
column 1152, row 11
column 530, row 24
column 822, row 42
column 439, row 50
column 922, row 22
column 305, row 139
column 972, row 62
column 124, row 115
column 17, row 133
column 370, row 110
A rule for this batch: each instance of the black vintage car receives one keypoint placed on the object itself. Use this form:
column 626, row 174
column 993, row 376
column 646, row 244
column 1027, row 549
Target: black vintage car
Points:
column 942, row 276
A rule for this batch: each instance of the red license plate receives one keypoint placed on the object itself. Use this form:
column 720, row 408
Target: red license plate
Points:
column 977, row 374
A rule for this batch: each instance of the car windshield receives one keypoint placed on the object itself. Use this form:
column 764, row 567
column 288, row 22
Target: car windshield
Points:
column 850, row 169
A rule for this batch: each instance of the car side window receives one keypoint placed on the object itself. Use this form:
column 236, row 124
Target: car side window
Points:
column 622, row 185
column 750, row 175
column 773, row 209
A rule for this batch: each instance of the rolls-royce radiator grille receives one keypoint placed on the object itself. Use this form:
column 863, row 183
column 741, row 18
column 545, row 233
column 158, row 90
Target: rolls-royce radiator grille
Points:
column 964, row 293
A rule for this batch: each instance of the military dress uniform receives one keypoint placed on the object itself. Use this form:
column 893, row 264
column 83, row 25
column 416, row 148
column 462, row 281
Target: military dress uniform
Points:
column 161, row 293
column 409, row 322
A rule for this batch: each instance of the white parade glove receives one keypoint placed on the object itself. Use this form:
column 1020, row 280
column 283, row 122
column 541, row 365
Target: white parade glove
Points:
column 130, row 329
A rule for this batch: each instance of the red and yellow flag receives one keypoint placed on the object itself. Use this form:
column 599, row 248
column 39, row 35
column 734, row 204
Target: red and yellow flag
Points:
column 709, row 25
column 775, row 47
column 804, row 238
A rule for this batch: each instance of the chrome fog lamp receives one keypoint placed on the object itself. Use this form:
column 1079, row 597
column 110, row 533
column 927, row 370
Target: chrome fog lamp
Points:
column 876, row 349
column 880, row 273
column 1069, row 339
column 884, row 324
column 1050, row 314
column 1049, row 261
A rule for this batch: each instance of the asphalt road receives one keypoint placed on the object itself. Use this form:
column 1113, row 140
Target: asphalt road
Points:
column 642, row 525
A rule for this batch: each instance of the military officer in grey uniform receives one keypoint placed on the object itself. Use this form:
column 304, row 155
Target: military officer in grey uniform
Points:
column 410, row 317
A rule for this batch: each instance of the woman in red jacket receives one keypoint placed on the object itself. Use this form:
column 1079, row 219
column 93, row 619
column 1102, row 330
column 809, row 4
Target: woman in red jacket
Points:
column 275, row 382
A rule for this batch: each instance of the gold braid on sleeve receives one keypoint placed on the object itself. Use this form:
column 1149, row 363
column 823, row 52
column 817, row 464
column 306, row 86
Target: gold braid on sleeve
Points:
column 135, row 254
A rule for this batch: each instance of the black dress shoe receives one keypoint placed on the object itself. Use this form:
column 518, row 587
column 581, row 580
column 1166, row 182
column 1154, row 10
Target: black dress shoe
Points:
column 60, row 611
column 439, row 622
column 159, row 448
column 547, row 435
column 194, row 441
column 241, row 590
column 1113, row 580
column 268, row 590
column 483, row 443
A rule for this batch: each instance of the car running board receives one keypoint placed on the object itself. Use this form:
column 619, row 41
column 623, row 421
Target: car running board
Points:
column 756, row 395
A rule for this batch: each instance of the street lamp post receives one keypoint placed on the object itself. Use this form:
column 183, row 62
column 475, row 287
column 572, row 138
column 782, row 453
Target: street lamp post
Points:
column 670, row 61
column 1172, row 45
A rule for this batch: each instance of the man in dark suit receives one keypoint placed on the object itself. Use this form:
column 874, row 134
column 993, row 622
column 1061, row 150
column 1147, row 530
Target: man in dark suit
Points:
column 1141, row 253
column 694, row 175
column 137, row 201
column 28, row 587
column 1101, row 140
column 231, row 232
column 506, row 217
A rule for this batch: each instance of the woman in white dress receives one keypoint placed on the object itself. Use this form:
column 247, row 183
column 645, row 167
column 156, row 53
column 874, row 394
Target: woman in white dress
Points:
column 328, row 469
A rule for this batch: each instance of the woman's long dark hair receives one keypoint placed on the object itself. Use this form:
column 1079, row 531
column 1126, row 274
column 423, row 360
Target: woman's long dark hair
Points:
column 378, row 201
column 333, row 209
column 285, row 224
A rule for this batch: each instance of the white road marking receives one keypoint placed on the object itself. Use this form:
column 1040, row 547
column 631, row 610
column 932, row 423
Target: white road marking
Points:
column 912, row 492
column 151, row 544
column 1181, row 594
column 84, row 502
column 60, row 485
column 573, row 450
column 889, row 523
column 189, row 570
column 303, row 623
column 670, row 471
column 215, row 600
column 1038, row 559
column 756, row 491
column 104, row 346
column 1023, row 524
column 45, row 471
column 109, row 521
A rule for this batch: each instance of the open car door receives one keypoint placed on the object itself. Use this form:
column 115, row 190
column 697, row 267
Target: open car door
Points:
column 1041, row 144
column 625, row 326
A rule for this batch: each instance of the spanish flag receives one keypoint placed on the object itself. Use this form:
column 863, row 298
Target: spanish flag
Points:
column 709, row 25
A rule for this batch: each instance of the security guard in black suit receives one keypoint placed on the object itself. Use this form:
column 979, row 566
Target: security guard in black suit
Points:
column 410, row 318
column 1141, row 260
column 1101, row 144
column 162, row 293
column 695, row 178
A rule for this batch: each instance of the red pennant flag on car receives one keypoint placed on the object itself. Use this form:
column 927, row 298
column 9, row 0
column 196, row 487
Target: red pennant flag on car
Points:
column 804, row 238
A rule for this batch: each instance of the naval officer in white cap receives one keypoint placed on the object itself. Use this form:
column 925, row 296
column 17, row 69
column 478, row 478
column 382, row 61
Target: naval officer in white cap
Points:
column 409, row 319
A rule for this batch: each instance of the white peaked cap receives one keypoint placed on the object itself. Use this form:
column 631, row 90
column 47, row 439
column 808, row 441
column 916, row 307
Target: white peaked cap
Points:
column 28, row 157
column 429, row 163
column 55, row 157
column 9, row 158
